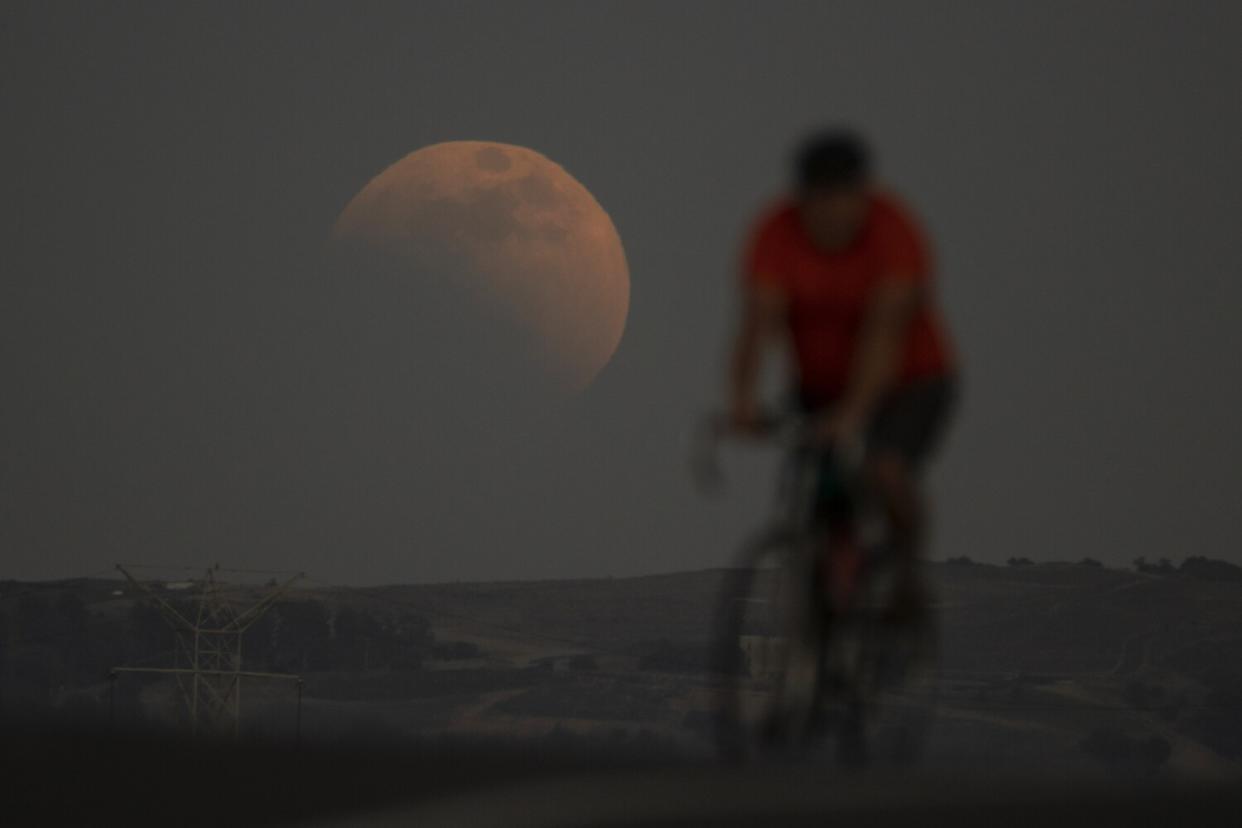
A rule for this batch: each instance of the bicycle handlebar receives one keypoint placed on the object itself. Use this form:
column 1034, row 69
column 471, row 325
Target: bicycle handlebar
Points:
column 790, row 431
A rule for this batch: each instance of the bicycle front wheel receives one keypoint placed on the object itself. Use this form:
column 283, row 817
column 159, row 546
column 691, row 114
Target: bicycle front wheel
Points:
column 768, row 650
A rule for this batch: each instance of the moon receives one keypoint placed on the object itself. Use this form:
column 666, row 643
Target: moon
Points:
column 513, row 233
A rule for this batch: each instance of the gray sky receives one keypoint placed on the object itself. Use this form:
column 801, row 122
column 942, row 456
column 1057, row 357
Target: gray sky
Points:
column 183, row 382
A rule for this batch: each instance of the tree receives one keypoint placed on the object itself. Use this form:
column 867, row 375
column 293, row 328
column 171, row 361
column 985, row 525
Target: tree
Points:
column 1208, row 569
column 1162, row 567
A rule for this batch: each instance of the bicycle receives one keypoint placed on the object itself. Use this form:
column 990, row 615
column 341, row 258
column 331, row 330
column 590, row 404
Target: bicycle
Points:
column 807, row 646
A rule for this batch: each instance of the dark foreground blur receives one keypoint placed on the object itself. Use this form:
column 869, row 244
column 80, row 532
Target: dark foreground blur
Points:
column 84, row 777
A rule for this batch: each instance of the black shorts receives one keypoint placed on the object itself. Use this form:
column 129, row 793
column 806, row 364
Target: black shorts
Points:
column 910, row 420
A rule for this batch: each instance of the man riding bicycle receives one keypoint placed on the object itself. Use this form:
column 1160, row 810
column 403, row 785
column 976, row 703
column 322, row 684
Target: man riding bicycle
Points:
column 842, row 270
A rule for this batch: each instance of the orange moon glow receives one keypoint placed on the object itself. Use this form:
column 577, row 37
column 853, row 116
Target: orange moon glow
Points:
column 514, row 231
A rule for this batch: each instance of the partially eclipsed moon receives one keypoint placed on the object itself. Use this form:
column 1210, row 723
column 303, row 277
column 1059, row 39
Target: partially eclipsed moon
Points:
column 517, row 233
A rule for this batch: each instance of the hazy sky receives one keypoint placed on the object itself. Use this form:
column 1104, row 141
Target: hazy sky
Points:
column 181, row 381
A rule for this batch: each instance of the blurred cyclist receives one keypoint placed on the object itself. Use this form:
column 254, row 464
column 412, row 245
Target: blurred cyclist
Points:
column 841, row 269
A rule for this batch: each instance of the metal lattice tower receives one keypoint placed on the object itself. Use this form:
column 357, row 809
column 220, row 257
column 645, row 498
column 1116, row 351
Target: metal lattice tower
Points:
column 207, row 663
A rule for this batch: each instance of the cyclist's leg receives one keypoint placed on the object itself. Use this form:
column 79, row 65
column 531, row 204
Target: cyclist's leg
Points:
column 839, row 560
column 830, row 519
column 901, row 437
column 891, row 477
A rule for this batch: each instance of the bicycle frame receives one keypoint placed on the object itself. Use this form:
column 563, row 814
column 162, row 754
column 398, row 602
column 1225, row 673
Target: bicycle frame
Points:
column 797, row 623
column 838, row 562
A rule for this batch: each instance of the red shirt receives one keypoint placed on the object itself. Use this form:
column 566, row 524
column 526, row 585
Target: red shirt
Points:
column 829, row 292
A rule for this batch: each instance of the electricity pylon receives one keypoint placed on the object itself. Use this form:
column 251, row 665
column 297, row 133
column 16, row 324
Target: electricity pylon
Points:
column 207, row 663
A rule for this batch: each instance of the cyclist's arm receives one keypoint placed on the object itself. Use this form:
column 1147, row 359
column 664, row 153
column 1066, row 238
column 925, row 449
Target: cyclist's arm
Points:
column 881, row 341
column 764, row 309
